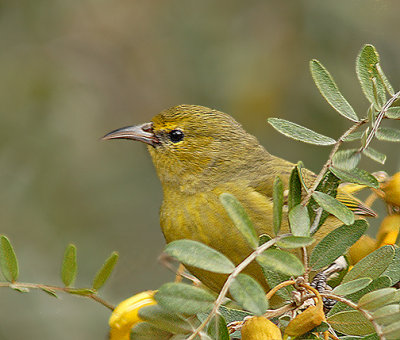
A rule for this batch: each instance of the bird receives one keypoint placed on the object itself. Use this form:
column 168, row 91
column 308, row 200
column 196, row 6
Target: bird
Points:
column 200, row 153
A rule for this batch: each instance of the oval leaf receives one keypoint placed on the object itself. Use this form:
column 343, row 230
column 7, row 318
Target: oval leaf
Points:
column 290, row 242
column 351, row 323
column 388, row 134
column 346, row 159
column 294, row 197
column 375, row 155
column 281, row 261
column 8, row 260
column 336, row 244
column 164, row 320
column 334, row 207
column 184, row 298
column 373, row 265
column 393, row 112
column 199, row 255
column 356, row 175
column 249, row 294
column 105, row 271
column 299, row 221
column 387, row 314
column 299, row 132
column 277, row 197
column 377, row 298
column 352, row 286
column 393, row 270
column 368, row 76
column 240, row 218
column 330, row 91
column 392, row 332
column 69, row 266
column 380, row 282
column 146, row 331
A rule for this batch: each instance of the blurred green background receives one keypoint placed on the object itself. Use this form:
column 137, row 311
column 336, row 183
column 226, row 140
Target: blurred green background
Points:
column 70, row 71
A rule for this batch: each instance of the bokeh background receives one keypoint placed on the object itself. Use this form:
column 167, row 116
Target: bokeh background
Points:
column 70, row 71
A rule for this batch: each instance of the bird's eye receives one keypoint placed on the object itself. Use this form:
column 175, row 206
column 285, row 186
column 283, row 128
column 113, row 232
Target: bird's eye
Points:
column 176, row 136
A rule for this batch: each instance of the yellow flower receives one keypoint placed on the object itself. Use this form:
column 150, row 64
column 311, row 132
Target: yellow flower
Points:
column 388, row 231
column 125, row 315
column 260, row 328
column 392, row 190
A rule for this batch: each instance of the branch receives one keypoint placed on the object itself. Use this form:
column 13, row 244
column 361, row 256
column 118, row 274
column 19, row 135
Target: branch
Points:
column 69, row 290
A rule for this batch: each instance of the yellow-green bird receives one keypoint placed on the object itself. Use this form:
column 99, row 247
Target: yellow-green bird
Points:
column 200, row 153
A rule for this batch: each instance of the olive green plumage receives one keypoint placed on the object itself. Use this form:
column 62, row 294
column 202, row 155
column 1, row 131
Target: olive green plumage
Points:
column 198, row 154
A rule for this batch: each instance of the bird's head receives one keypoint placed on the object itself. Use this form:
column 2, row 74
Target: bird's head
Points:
column 192, row 144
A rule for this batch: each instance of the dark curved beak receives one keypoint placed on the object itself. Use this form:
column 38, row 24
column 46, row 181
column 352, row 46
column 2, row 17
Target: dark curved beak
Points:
column 143, row 133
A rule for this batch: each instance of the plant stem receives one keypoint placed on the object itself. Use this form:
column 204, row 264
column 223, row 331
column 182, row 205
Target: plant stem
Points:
column 93, row 296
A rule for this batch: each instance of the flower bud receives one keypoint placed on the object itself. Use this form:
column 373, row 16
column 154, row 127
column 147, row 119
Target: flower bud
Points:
column 125, row 315
column 392, row 189
column 306, row 321
column 388, row 230
column 361, row 248
column 260, row 328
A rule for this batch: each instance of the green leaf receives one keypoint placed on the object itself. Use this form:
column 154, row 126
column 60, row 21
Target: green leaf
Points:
column 217, row 328
column 274, row 278
column 392, row 332
column 105, row 271
column 81, row 291
column 336, row 244
column 373, row 265
column 281, row 261
column 290, row 242
column 231, row 314
column 8, row 260
column 375, row 155
column 393, row 270
column 294, row 197
column 240, row 218
column 50, row 292
column 352, row 286
column 346, row 159
column 299, row 221
column 184, row 298
column 368, row 76
column 164, row 320
column 351, row 323
column 328, row 185
column 334, row 207
column 300, row 170
column 377, row 299
column 146, row 331
column 330, row 91
column 277, row 197
column 356, row 175
column 353, row 136
column 69, row 266
column 393, row 112
column 249, row 294
column 387, row 314
column 199, row 255
column 299, row 132
column 385, row 81
column 388, row 134
column 380, row 282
